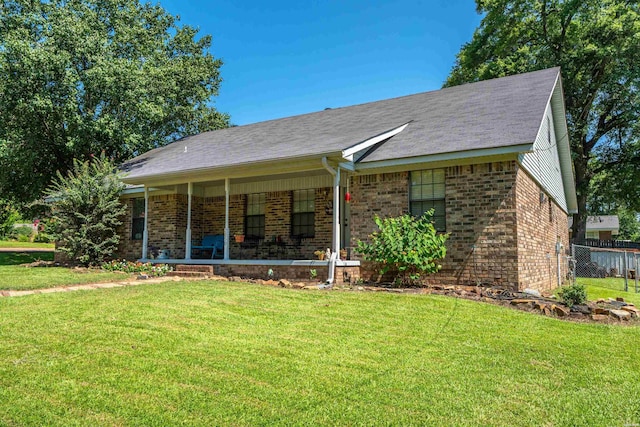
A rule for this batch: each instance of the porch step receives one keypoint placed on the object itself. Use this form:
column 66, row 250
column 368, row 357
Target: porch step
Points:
column 188, row 274
column 194, row 268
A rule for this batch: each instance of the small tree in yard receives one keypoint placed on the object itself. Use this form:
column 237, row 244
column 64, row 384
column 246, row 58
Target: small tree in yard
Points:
column 8, row 216
column 411, row 246
column 86, row 210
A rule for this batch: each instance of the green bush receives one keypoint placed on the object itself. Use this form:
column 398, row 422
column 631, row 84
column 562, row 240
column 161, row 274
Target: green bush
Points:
column 43, row 237
column 411, row 246
column 22, row 234
column 573, row 295
column 8, row 216
column 86, row 210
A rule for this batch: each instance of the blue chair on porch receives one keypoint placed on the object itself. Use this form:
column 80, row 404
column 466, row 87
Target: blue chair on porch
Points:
column 214, row 243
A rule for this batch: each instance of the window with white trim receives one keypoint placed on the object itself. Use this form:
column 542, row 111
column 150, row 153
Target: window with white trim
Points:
column 427, row 191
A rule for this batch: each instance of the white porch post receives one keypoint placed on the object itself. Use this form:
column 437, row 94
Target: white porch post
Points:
column 226, row 218
column 187, row 254
column 336, row 213
column 145, row 232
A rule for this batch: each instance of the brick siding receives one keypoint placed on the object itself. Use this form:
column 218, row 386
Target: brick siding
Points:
column 541, row 223
column 500, row 231
column 485, row 206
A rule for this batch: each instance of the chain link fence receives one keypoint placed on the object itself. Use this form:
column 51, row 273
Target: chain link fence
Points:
column 614, row 269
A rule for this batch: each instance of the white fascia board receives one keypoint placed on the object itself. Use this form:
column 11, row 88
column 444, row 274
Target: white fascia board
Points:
column 349, row 152
column 456, row 155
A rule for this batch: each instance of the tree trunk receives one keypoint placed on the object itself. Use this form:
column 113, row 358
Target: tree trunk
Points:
column 583, row 178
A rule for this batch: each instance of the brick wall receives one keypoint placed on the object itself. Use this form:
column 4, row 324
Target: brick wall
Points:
column 167, row 224
column 541, row 223
column 481, row 217
column 500, row 231
column 384, row 195
column 128, row 248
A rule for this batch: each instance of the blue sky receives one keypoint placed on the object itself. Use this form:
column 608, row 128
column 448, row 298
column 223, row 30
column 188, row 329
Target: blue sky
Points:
column 295, row 57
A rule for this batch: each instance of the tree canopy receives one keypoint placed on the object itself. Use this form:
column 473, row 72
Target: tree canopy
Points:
column 597, row 45
column 87, row 76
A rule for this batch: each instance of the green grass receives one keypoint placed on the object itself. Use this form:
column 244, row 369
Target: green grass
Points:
column 12, row 244
column 13, row 276
column 222, row 353
column 610, row 288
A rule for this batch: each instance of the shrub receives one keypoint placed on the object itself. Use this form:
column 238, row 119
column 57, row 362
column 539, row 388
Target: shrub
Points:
column 8, row 216
column 411, row 246
column 43, row 237
column 573, row 295
column 137, row 267
column 86, row 210
column 22, row 234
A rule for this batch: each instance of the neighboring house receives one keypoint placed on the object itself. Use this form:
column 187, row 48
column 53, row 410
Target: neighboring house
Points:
column 600, row 227
column 491, row 157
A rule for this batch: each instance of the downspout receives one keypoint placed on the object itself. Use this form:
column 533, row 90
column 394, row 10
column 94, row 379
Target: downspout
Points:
column 145, row 232
column 336, row 220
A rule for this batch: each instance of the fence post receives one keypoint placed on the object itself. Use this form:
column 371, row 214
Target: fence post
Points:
column 625, row 272
column 635, row 258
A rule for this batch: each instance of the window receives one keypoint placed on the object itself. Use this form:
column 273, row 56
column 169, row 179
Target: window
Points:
column 254, row 221
column 137, row 219
column 303, row 218
column 426, row 192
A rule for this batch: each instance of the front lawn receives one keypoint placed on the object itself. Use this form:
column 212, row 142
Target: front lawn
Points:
column 12, row 245
column 222, row 353
column 14, row 276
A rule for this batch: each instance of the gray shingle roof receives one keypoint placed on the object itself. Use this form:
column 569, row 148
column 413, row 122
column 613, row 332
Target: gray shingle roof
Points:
column 600, row 222
column 489, row 114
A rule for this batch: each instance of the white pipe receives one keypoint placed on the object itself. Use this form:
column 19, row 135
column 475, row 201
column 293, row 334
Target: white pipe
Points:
column 145, row 233
column 187, row 254
column 559, row 247
column 226, row 218
column 336, row 220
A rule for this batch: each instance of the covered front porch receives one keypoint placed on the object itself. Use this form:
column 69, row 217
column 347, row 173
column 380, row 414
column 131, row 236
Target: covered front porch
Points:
column 276, row 223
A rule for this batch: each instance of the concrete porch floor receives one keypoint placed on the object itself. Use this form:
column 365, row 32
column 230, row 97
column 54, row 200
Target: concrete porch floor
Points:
column 280, row 262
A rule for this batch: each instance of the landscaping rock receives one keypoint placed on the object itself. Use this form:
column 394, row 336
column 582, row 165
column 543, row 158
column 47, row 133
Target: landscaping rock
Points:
column 271, row 282
column 519, row 301
column 284, row 283
column 559, row 310
column 533, row 292
column 600, row 310
column 143, row 277
column 631, row 309
column 582, row 309
column 620, row 314
column 599, row 317
column 235, row 279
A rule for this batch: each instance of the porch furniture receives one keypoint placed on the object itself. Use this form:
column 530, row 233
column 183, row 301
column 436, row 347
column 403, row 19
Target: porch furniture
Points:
column 250, row 244
column 213, row 243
